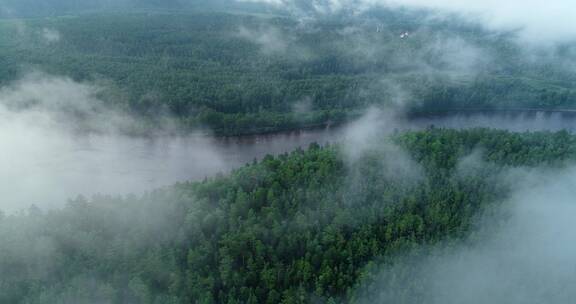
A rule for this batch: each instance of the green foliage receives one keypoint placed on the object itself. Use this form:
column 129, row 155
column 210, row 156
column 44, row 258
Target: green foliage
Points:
column 301, row 227
column 261, row 73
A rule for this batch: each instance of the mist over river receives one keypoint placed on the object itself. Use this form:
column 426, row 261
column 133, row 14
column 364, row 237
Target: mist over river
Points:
column 54, row 167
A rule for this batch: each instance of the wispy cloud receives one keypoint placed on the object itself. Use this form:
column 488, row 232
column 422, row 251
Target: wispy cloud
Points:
column 537, row 21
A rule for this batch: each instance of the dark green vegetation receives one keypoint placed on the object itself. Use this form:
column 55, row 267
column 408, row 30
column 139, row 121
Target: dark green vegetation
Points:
column 261, row 73
column 46, row 8
column 302, row 227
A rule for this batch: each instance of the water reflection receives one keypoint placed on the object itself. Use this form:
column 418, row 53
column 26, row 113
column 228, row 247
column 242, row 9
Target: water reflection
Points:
column 49, row 167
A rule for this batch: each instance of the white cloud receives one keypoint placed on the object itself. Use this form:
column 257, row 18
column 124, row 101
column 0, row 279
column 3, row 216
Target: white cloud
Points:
column 539, row 21
column 525, row 254
column 45, row 160
column 271, row 40
column 51, row 35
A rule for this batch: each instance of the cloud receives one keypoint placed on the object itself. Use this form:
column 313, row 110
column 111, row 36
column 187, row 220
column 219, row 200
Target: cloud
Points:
column 524, row 254
column 275, row 41
column 271, row 40
column 59, row 140
column 538, row 21
column 51, row 35
column 370, row 135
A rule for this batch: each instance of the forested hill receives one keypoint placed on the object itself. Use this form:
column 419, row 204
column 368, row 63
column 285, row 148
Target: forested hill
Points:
column 239, row 73
column 302, row 227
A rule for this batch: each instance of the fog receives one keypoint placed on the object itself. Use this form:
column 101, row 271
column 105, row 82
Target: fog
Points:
column 519, row 250
column 515, row 120
column 538, row 21
column 523, row 252
column 47, row 157
column 46, row 160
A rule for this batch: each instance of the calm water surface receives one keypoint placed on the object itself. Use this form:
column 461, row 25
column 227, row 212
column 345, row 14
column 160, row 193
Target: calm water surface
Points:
column 120, row 165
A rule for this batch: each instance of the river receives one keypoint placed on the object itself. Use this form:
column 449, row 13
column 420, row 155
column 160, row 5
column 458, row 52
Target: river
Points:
column 47, row 168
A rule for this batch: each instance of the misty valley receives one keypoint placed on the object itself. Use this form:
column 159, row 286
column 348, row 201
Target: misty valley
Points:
column 287, row 151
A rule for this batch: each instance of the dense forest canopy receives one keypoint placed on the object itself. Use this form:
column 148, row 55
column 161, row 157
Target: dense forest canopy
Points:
column 311, row 226
column 254, row 73
column 390, row 211
column 47, row 8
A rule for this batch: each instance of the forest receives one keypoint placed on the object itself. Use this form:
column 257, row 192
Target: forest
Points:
column 240, row 73
column 395, row 196
column 309, row 226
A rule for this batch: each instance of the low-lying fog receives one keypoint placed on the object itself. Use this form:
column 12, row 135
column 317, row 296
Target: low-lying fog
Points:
column 45, row 160
column 46, row 166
